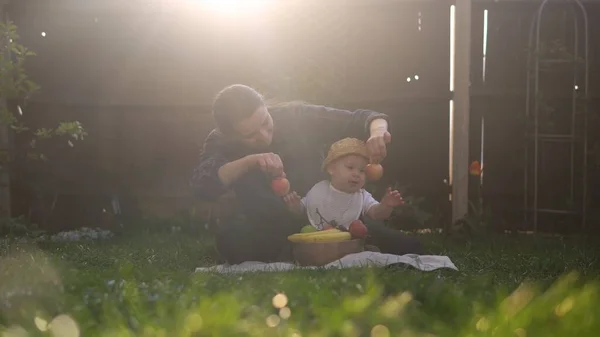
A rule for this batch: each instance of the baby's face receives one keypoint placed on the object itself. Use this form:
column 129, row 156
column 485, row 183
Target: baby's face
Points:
column 348, row 173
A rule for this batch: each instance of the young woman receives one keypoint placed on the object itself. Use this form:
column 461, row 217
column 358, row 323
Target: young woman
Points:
column 248, row 149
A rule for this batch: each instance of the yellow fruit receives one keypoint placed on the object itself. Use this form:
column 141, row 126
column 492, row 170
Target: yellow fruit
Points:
column 333, row 237
column 318, row 232
column 308, row 229
column 321, row 236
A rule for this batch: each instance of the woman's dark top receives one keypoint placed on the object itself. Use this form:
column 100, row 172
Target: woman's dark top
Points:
column 302, row 135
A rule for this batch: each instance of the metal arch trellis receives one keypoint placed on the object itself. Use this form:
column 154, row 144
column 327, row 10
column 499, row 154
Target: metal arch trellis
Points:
column 579, row 108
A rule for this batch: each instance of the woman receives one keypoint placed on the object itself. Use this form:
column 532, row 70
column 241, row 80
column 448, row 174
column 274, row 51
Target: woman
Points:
column 250, row 146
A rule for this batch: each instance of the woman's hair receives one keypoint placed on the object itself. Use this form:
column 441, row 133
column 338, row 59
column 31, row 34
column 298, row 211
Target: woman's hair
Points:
column 277, row 103
column 234, row 104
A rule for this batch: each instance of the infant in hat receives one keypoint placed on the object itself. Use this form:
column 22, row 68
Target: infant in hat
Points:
column 342, row 198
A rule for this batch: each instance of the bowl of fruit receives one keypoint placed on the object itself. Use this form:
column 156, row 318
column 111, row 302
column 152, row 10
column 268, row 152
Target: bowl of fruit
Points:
column 318, row 247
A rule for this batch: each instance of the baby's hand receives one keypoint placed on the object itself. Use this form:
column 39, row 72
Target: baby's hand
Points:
column 293, row 202
column 392, row 198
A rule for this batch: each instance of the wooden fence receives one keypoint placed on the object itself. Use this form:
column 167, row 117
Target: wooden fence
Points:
column 141, row 77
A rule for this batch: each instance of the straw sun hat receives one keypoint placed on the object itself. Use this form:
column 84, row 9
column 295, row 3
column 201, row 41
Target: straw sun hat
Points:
column 345, row 147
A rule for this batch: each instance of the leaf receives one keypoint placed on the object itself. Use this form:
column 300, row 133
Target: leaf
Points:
column 6, row 117
column 19, row 127
column 43, row 133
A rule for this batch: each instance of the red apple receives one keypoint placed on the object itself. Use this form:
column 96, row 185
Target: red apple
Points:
column 281, row 186
column 374, row 172
column 358, row 230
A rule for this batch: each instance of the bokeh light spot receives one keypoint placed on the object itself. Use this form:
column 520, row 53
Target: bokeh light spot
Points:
column 564, row 307
column 193, row 322
column 380, row 331
column 41, row 323
column 15, row 331
column 273, row 321
column 285, row 312
column 280, row 301
column 483, row 324
column 520, row 332
column 64, row 326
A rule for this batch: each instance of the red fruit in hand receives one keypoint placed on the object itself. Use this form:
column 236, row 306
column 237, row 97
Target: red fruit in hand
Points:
column 358, row 230
column 374, row 172
column 281, row 186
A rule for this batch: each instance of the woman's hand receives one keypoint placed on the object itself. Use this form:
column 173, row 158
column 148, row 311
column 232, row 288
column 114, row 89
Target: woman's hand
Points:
column 293, row 202
column 377, row 142
column 269, row 163
column 392, row 199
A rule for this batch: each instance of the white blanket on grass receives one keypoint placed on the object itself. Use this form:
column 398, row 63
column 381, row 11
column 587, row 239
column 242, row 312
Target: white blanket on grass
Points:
column 362, row 259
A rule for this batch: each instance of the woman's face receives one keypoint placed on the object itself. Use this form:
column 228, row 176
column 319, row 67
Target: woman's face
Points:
column 256, row 131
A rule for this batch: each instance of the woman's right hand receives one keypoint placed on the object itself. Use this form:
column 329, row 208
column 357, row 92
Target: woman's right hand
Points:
column 269, row 163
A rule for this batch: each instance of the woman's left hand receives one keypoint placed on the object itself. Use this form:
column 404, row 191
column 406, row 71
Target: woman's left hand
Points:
column 376, row 146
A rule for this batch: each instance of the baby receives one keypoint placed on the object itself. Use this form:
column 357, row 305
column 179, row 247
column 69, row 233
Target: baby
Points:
column 342, row 198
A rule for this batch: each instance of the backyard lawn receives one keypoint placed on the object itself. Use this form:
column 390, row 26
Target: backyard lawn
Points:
column 142, row 284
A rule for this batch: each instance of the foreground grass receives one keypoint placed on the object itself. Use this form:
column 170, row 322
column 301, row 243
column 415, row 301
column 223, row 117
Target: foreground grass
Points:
column 144, row 285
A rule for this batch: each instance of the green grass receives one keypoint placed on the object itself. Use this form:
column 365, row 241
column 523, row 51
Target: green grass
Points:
column 143, row 285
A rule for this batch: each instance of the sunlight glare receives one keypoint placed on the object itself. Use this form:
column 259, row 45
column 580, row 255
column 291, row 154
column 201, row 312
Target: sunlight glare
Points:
column 485, row 41
column 451, row 143
column 235, row 7
column 451, row 105
column 452, row 44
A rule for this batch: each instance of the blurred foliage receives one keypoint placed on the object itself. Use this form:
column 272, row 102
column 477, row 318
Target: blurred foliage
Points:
column 16, row 88
column 143, row 285
column 15, row 85
column 18, row 227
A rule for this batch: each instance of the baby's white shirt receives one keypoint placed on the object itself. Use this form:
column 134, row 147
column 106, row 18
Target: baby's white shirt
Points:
column 336, row 205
